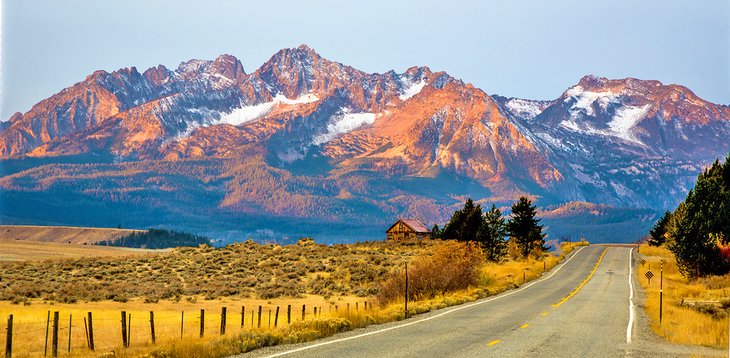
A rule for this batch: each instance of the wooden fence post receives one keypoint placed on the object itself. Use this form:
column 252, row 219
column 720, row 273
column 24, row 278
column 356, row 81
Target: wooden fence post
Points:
column 69, row 332
column 315, row 311
column 48, row 322
column 152, row 326
column 54, row 337
column 129, row 329
column 259, row 324
column 182, row 323
column 202, row 322
column 357, row 306
column 276, row 317
column 405, row 311
column 269, row 318
column 86, row 331
column 223, row 321
column 9, row 338
column 288, row 314
column 243, row 315
column 304, row 310
column 124, row 329
column 91, row 333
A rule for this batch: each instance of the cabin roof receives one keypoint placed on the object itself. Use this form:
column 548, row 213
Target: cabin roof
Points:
column 414, row 224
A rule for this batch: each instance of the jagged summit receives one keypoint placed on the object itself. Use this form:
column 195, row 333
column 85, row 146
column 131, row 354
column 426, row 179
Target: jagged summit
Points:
column 419, row 123
column 312, row 139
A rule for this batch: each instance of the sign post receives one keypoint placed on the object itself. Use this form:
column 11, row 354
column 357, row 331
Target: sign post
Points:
column 661, row 291
column 649, row 275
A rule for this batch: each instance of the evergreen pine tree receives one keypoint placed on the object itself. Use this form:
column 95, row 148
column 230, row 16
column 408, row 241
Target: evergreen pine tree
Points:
column 657, row 235
column 491, row 234
column 451, row 230
column 435, row 232
column 472, row 222
column 523, row 228
column 703, row 224
column 465, row 223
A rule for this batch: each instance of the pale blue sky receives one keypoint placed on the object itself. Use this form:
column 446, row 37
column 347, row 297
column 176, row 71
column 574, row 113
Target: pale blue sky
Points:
column 529, row 49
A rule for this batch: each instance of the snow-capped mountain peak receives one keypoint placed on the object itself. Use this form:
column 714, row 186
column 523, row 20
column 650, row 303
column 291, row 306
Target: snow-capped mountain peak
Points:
column 415, row 123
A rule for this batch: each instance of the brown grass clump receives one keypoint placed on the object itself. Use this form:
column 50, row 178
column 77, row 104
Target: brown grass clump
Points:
column 452, row 266
column 457, row 266
column 702, row 324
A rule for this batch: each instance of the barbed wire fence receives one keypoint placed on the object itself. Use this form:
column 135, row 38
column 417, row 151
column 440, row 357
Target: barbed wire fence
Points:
column 62, row 333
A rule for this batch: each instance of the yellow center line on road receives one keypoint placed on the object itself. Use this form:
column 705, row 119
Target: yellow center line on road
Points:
column 525, row 325
column 545, row 313
column 494, row 342
column 584, row 281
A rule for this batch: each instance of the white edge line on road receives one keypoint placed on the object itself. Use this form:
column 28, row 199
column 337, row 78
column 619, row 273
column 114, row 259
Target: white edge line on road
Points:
column 630, row 326
column 458, row 308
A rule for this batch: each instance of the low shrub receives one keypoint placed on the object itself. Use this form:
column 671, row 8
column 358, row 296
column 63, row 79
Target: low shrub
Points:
column 453, row 266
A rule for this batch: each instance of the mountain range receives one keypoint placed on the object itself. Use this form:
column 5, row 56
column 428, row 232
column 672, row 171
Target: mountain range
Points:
column 308, row 146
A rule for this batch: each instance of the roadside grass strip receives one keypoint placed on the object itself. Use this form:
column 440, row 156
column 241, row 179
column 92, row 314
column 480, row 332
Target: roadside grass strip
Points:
column 556, row 305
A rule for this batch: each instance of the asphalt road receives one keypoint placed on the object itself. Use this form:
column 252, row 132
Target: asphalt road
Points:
column 576, row 310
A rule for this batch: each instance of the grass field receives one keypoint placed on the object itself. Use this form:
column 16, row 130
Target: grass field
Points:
column 19, row 250
column 701, row 325
column 243, row 270
column 338, row 310
column 61, row 234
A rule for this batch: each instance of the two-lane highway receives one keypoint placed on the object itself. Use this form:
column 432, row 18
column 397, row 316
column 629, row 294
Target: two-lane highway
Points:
column 581, row 308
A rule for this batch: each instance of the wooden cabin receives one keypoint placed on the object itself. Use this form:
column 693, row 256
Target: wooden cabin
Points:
column 408, row 229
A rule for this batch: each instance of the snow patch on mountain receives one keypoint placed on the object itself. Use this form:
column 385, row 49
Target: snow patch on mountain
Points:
column 248, row 113
column 584, row 100
column 304, row 99
column 412, row 90
column 201, row 117
column 524, row 108
column 552, row 141
column 625, row 119
column 573, row 126
column 621, row 124
column 344, row 123
column 245, row 114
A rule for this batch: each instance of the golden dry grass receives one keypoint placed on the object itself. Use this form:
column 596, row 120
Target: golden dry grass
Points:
column 30, row 321
column 334, row 315
column 64, row 234
column 682, row 324
column 20, row 250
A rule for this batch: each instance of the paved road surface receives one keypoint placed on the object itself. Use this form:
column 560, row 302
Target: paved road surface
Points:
column 545, row 318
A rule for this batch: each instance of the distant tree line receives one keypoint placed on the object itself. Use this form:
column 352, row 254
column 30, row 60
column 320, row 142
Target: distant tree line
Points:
column 519, row 236
column 698, row 230
column 158, row 239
